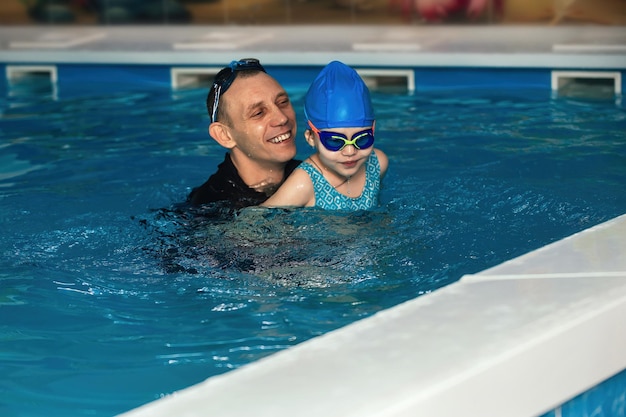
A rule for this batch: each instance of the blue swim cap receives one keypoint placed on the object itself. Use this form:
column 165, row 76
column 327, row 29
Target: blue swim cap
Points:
column 338, row 97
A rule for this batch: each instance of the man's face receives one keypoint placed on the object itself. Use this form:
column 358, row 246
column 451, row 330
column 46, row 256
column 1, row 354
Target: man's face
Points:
column 262, row 119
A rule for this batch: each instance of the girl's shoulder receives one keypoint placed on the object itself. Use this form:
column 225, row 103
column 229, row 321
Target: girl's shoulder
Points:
column 383, row 160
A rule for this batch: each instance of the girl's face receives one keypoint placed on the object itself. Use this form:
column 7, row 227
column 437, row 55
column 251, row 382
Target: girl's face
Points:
column 345, row 162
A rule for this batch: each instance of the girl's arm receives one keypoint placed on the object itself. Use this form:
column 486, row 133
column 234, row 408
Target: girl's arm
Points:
column 296, row 191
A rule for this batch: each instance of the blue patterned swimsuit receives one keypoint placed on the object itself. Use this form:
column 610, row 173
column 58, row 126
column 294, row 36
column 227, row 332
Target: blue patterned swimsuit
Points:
column 328, row 198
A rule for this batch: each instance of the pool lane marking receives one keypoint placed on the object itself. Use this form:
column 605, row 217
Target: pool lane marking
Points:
column 54, row 40
column 223, row 41
column 585, row 47
column 484, row 278
column 386, row 46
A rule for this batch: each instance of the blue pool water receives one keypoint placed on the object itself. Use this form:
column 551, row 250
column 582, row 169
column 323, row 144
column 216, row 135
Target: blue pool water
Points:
column 110, row 298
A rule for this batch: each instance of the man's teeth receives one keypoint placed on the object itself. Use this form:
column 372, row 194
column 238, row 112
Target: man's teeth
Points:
column 280, row 138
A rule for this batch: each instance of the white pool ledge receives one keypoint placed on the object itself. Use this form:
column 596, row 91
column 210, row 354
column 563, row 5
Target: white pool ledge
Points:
column 518, row 339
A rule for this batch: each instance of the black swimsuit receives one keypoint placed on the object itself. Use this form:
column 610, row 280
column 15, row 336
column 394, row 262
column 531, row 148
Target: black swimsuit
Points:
column 227, row 186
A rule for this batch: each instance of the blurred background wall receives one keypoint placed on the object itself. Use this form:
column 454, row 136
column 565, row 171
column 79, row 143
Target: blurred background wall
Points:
column 294, row 12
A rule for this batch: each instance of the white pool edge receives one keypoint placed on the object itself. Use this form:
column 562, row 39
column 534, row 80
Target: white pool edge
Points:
column 517, row 339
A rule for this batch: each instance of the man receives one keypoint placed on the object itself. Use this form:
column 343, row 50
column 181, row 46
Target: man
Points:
column 252, row 116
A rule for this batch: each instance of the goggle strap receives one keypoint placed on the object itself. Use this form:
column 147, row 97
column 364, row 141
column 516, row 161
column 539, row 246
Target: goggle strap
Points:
column 216, row 100
column 241, row 65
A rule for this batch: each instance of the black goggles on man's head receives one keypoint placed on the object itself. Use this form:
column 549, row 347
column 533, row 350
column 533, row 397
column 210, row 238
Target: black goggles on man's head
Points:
column 225, row 78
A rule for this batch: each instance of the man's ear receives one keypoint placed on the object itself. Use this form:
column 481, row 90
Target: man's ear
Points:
column 221, row 134
column 309, row 136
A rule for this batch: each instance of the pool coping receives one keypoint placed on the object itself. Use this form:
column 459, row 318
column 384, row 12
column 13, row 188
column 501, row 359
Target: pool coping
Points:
column 518, row 339
column 515, row 46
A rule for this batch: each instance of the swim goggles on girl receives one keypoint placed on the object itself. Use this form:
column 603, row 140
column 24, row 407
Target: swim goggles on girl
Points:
column 334, row 141
column 225, row 78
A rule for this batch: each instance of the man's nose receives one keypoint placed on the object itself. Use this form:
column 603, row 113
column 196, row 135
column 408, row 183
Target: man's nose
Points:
column 280, row 117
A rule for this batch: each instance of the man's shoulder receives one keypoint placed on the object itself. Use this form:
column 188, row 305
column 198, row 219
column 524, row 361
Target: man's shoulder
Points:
column 217, row 186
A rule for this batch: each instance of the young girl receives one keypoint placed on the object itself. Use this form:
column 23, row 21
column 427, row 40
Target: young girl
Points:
column 346, row 170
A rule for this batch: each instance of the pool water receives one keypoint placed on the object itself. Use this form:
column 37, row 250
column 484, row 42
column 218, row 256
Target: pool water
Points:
column 111, row 296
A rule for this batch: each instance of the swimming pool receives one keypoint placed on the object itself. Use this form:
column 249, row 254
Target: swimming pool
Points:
column 111, row 299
